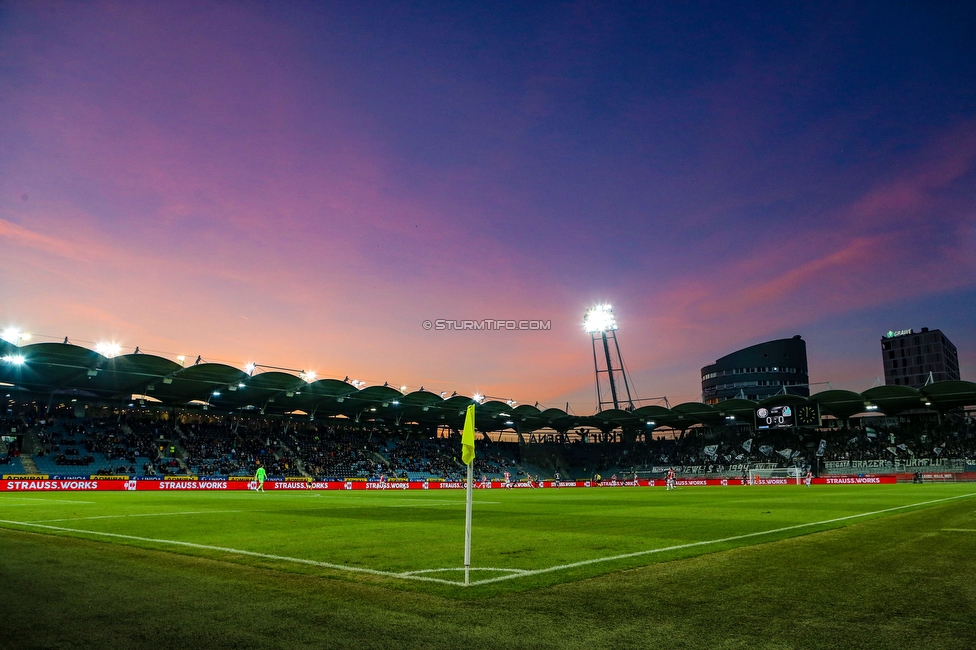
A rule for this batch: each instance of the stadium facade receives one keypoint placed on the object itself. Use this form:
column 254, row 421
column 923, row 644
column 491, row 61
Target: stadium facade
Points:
column 757, row 372
column 914, row 359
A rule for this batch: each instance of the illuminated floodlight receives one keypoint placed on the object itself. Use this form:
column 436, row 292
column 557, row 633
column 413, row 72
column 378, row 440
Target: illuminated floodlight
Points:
column 240, row 384
column 108, row 349
column 15, row 359
column 181, row 360
column 216, row 393
column 599, row 319
column 403, row 389
column 478, row 397
column 14, row 335
column 395, row 402
column 249, row 368
column 308, row 376
column 511, row 402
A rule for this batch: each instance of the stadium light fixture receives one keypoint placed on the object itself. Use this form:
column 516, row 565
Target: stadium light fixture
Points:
column 14, row 335
column 599, row 319
column 403, row 389
column 308, row 376
column 216, row 393
column 249, row 368
column 478, row 397
column 395, row 402
column 107, row 349
column 15, row 359
column 181, row 359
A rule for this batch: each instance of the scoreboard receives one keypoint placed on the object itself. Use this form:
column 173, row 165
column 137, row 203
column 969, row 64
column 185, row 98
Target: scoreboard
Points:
column 775, row 417
column 784, row 417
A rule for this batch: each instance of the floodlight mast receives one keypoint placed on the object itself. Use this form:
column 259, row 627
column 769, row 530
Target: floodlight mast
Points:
column 600, row 323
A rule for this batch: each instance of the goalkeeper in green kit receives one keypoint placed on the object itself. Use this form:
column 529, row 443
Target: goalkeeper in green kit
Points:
column 259, row 477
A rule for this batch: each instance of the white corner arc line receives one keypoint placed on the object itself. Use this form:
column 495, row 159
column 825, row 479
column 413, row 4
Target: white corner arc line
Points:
column 461, row 568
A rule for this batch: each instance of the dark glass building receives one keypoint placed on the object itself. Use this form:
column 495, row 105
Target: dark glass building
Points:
column 910, row 357
column 758, row 372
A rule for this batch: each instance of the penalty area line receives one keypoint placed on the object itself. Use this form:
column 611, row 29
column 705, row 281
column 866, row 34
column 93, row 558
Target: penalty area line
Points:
column 4, row 499
column 236, row 551
column 734, row 538
column 141, row 514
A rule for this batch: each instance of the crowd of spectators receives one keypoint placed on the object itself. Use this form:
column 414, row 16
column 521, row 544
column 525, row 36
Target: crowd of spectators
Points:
column 337, row 449
column 117, row 448
column 225, row 448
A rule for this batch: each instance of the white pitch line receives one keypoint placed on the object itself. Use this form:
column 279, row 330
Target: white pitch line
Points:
column 711, row 541
column 960, row 530
column 143, row 514
column 235, row 551
column 12, row 498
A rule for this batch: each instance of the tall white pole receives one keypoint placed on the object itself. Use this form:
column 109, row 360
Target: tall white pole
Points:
column 467, row 525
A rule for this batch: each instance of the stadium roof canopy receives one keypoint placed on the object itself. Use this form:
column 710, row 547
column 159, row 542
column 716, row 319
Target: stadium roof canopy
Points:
column 63, row 370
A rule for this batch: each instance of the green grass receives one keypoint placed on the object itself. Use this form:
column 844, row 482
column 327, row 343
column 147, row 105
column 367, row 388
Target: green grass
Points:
column 890, row 579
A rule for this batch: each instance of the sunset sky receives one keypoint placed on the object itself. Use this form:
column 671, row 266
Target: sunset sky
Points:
column 303, row 184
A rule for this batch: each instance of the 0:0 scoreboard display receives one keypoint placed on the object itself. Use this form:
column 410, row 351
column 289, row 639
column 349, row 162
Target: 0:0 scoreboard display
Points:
column 775, row 417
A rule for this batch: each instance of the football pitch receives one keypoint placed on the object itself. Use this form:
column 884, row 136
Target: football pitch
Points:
column 530, row 546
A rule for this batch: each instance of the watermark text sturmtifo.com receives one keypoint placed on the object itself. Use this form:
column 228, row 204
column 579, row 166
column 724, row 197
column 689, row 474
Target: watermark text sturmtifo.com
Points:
column 487, row 324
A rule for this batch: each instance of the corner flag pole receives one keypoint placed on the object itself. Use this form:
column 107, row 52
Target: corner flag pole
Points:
column 467, row 526
column 467, row 456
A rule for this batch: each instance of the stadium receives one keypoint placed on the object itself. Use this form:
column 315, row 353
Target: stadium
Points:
column 309, row 325
column 566, row 508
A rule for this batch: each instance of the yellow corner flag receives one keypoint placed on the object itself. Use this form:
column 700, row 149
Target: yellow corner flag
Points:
column 467, row 437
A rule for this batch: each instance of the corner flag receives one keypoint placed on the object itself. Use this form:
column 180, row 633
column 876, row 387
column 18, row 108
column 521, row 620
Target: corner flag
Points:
column 467, row 437
column 467, row 455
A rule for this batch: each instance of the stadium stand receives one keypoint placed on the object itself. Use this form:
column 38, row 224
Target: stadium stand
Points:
column 214, row 420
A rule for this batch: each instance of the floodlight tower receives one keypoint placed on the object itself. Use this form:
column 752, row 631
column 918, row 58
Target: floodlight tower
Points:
column 602, row 327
